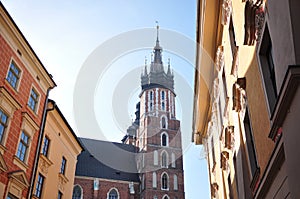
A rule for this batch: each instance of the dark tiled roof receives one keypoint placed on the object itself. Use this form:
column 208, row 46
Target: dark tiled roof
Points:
column 107, row 160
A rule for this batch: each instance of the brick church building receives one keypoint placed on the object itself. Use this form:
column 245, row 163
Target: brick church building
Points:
column 148, row 163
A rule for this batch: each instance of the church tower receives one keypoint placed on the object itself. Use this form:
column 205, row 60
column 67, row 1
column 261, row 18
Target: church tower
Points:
column 158, row 135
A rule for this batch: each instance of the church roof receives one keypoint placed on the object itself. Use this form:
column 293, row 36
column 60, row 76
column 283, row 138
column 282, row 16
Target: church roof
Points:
column 107, row 160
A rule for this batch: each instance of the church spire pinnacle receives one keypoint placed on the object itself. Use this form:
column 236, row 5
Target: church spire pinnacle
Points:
column 157, row 48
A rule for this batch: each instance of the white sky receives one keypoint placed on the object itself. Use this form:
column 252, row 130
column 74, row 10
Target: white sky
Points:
column 65, row 33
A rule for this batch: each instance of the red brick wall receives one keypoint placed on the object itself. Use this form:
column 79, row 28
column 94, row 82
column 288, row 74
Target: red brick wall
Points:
column 104, row 187
column 21, row 96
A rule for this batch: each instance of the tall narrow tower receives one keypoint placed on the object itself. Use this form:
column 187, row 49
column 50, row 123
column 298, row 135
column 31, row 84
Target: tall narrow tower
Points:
column 158, row 135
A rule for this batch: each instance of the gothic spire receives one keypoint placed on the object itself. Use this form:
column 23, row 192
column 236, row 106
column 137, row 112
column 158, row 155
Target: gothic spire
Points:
column 157, row 48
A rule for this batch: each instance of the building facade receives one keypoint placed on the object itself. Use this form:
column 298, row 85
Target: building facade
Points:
column 58, row 157
column 246, row 87
column 149, row 164
column 24, row 89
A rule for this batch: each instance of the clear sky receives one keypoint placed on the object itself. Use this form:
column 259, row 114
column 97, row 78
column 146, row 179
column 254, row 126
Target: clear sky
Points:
column 68, row 34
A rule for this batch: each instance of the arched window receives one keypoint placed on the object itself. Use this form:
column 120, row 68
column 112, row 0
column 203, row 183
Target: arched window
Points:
column 173, row 160
column 77, row 192
column 113, row 194
column 163, row 100
column 164, row 123
column 164, row 139
column 155, row 157
column 175, row 182
column 164, row 182
column 164, row 159
column 151, row 101
column 165, row 197
column 154, row 180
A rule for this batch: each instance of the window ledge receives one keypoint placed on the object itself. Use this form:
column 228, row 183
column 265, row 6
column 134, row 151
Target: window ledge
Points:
column 20, row 164
column 288, row 89
column 2, row 149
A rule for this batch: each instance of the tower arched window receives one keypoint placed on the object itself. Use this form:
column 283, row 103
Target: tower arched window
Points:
column 163, row 100
column 151, row 101
column 77, row 192
column 164, row 123
column 155, row 157
column 154, row 180
column 164, row 181
column 165, row 197
column 173, row 160
column 113, row 194
column 164, row 139
column 164, row 159
column 175, row 182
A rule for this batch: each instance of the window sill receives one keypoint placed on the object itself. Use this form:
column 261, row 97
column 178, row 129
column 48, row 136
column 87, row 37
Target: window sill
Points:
column 20, row 164
column 2, row 149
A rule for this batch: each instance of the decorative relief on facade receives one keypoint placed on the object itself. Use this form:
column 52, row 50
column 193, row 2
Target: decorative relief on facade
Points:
column 235, row 62
column 224, row 160
column 226, row 11
column 239, row 95
column 62, row 180
column 214, row 187
column 254, row 18
column 229, row 137
column 219, row 60
column 45, row 163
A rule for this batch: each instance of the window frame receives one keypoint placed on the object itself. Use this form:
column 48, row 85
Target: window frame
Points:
column 39, row 186
column 63, row 166
column 46, row 145
column 33, row 102
column 115, row 189
column 3, row 125
column 164, row 185
column 22, row 144
column 17, row 76
column 164, row 140
column 164, row 159
column 267, row 70
column 81, row 192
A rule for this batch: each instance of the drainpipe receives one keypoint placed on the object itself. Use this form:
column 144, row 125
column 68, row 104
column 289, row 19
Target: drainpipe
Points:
column 39, row 144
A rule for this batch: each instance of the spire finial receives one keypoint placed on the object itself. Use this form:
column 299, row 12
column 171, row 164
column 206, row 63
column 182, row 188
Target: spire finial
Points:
column 145, row 70
column 157, row 31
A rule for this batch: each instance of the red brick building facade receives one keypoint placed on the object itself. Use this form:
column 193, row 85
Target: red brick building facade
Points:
column 24, row 88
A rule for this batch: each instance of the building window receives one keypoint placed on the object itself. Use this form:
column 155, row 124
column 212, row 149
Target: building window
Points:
column 173, row 160
column 151, row 100
column 10, row 196
column 250, row 145
column 60, row 195
column 155, row 157
column 3, row 124
column 164, row 182
column 164, row 124
column 46, row 146
column 155, row 197
column 164, row 139
column 164, row 159
column 113, row 194
column 33, row 100
column 39, row 186
column 23, row 146
column 175, row 182
column 166, row 197
column 268, row 69
column 154, row 180
column 77, row 192
column 143, row 181
column 13, row 75
column 163, row 100
column 63, row 165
